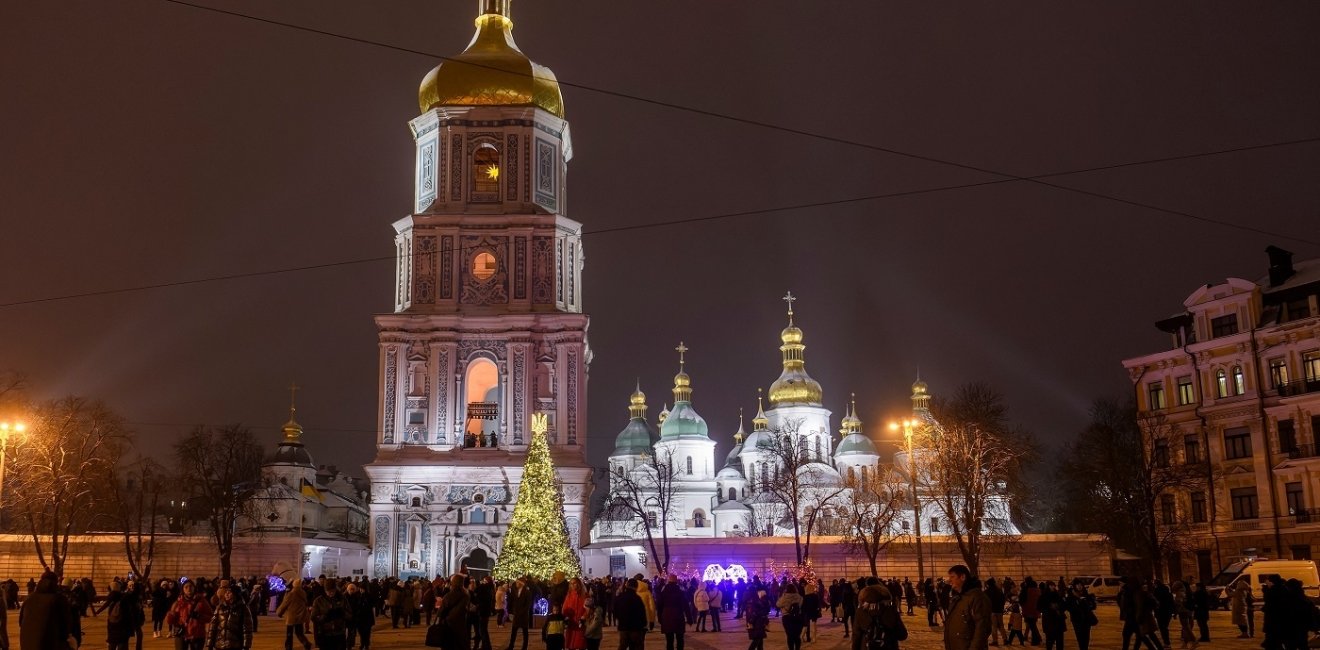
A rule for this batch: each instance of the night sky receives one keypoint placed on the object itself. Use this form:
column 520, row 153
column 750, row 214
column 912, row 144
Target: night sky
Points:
column 145, row 142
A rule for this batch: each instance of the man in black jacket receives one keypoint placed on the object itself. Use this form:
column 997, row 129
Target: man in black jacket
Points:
column 520, row 610
column 44, row 618
column 630, row 618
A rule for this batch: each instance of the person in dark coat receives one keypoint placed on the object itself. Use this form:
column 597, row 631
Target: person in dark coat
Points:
column 630, row 618
column 331, row 615
column 1053, row 616
column 520, row 611
column 757, row 613
column 43, row 620
column 1081, row 609
column 671, row 609
column 364, row 615
column 1201, row 611
column 231, row 623
column 118, row 620
column 967, row 626
column 452, row 612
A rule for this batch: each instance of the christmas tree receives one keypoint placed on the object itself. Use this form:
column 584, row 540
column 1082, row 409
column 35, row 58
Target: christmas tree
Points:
column 537, row 542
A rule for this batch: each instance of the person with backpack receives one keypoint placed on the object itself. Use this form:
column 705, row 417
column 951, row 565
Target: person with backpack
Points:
column 879, row 625
column 790, row 614
column 756, row 611
column 118, row 620
column 294, row 611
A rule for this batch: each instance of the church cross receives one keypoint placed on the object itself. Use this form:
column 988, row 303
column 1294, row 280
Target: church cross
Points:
column 790, row 299
column 682, row 350
column 293, row 397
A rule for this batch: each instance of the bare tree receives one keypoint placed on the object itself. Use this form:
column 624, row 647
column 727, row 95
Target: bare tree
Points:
column 221, row 468
column 878, row 499
column 136, row 492
column 799, row 483
column 67, row 458
column 1121, row 477
column 642, row 498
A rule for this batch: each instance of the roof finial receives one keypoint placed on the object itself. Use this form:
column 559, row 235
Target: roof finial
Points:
column 682, row 350
column 790, row 299
column 293, row 399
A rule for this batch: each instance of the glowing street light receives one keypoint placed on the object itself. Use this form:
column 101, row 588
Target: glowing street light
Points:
column 907, row 425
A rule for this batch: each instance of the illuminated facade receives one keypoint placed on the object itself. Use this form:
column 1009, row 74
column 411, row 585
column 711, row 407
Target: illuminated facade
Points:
column 1238, row 391
column 488, row 325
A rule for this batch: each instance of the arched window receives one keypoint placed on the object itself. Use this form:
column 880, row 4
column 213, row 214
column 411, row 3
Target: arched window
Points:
column 852, row 475
column 416, row 502
column 652, row 519
column 486, row 173
column 816, row 443
column 863, row 473
column 698, row 519
column 689, row 465
column 1221, row 383
column 1239, row 381
column 483, row 403
column 733, row 494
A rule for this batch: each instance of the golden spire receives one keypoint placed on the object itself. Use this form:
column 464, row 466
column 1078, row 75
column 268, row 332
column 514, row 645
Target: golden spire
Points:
column 920, row 396
column 682, row 383
column 738, row 435
column 760, row 422
column 664, row 414
column 851, row 423
column 794, row 385
column 292, row 430
column 637, row 403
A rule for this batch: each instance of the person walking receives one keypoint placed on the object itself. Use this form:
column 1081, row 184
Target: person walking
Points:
column 231, row 624
column 630, row 617
column 363, row 617
column 1201, row 610
column 331, row 615
column 791, row 616
column 1238, row 606
column 189, row 617
column 293, row 609
column 43, row 620
column 644, row 592
column 847, row 606
column 593, row 624
column 701, row 602
column 1053, row 616
column 878, row 619
column 967, row 626
column 1030, row 601
column 715, row 599
column 118, row 617
column 811, row 609
column 757, row 612
column 671, row 610
column 452, row 614
column 1081, row 609
column 520, row 611
column 997, row 600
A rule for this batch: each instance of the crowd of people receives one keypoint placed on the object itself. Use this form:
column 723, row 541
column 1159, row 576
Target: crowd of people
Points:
column 573, row 614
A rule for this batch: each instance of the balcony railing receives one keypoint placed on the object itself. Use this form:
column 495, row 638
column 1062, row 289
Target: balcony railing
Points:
column 483, row 411
column 1307, row 516
column 1302, row 451
column 1298, row 387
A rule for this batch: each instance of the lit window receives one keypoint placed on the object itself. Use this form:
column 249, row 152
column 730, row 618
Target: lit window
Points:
column 1186, row 394
column 486, row 173
column 1156, row 392
column 1278, row 373
column 1239, row 381
column 1311, row 366
column 1221, row 383
column 484, row 266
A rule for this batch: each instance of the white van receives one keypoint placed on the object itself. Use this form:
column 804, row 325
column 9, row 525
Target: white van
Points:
column 1257, row 573
column 1102, row 587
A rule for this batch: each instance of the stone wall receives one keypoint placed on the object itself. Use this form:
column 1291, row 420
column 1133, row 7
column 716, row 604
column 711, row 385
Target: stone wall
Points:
column 102, row 557
column 1040, row 556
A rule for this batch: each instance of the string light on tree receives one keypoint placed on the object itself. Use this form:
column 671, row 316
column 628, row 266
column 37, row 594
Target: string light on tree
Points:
column 537, row 542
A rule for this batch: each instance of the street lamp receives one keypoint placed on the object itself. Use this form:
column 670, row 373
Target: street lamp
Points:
column 907, row 426
column 6, row 429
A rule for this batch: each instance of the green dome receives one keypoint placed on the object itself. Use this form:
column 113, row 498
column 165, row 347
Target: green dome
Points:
column 684, row 422
column 855, row 443
column 634, row 439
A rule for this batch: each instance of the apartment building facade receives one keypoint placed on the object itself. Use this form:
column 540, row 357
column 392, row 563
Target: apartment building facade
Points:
column 1237, row 394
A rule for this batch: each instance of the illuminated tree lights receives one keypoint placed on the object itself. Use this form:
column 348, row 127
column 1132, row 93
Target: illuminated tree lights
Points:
column 537, row 543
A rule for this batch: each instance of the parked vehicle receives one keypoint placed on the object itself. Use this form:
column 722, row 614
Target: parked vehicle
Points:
column 1102, row 587
column 1256, row 572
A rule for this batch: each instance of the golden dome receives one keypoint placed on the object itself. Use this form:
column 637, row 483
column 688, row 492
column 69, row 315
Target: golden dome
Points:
column 492, row 71
column 760, row 422
column 794, row 385
column 919, row 388
column 637, row 403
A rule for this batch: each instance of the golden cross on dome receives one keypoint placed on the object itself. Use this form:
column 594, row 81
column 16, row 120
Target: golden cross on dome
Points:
column 682, row 350
column 293, row 398
column 790, row 299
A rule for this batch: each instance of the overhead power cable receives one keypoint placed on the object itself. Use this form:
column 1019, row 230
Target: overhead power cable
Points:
column 1036, row 179
column 706, row 218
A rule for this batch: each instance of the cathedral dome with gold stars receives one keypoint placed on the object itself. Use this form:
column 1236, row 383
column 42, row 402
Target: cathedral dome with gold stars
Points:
column 492, row 71
column 794, row 385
